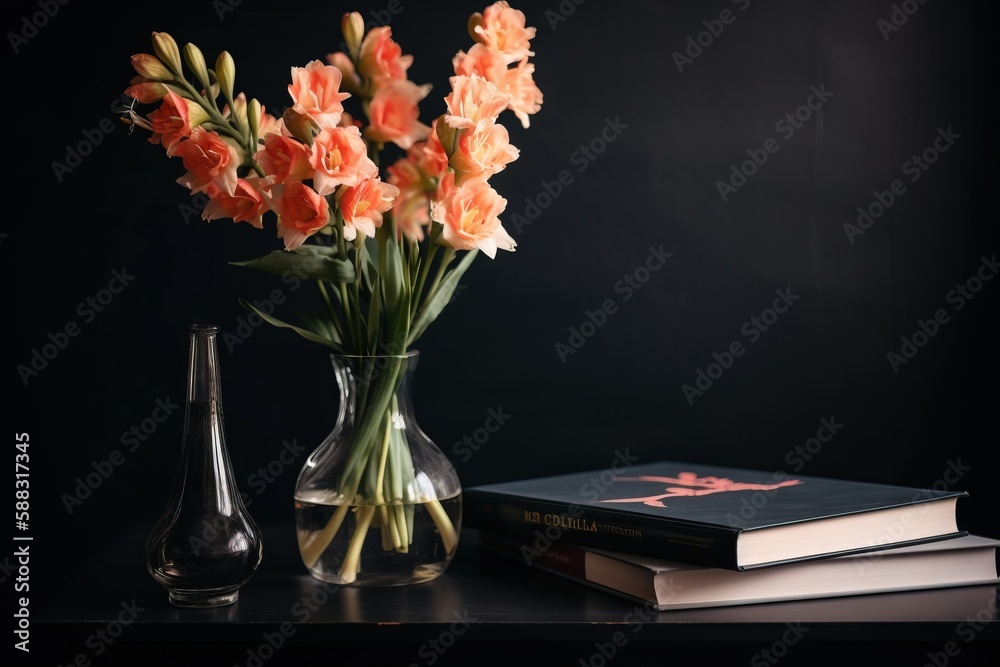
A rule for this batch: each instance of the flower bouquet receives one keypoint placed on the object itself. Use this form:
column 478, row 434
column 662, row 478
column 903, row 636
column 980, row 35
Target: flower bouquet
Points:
column 385, row 255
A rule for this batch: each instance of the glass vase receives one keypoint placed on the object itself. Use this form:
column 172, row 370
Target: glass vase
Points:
column 377, row 503
column 205, row 546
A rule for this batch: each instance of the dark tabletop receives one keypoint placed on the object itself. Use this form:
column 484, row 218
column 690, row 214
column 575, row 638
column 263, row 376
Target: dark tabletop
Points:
column 483, row 605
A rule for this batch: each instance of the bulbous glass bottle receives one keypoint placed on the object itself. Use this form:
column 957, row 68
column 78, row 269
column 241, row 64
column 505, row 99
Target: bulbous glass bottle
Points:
column 205, row 546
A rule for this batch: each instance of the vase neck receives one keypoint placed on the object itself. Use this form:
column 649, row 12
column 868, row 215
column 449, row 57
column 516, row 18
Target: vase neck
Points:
column 206, row 473
column 203, row 365
column 362, row 379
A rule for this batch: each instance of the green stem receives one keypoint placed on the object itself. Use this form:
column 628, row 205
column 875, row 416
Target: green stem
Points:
column 444, row 525
column 446, row 259
column 208, row 90
column 342, row 288
column 349, row 569
column 207, row 102
column 330, row 310
column 215, row 114
column 432, row 249
column 366, row 427
column 359, row 323
column 312, row 550
column 347, row 316
column 380, row 498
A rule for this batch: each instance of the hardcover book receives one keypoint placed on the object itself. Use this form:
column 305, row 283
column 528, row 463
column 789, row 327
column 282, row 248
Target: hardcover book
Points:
column 964, row 561
column 717, row 517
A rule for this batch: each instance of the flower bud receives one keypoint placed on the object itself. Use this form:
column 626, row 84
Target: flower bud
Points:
column 225, row 72
column 196, row 63
column 240, row 112
column 150, row 67
column 146, row 91
column 475, row 21
column 353, row 27
column 166, row 48
column 253, row 117
column 448, row 136
column 301, row 126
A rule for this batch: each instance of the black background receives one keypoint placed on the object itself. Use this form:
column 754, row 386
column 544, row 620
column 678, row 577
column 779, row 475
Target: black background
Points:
column 495, row 345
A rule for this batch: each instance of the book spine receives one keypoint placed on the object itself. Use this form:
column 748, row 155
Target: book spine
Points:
column 563, row 560
column 546, row 523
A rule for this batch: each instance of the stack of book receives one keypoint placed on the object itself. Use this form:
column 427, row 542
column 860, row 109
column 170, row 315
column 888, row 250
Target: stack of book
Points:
column 678, row 535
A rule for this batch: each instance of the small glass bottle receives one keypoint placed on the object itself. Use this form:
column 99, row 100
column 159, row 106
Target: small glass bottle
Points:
column 205, row 546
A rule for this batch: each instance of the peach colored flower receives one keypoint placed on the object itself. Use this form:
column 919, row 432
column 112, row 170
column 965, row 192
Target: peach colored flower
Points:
column 363, row 206
column 347, row 120
column 350, row 82
column 502, row 29
column 485, row 150
column 269, row 125
column 412, row 212
column 245, row 204
column 146, row 91
column 381, row 59
column 284, row 158
column 209, row 159
column 525, row 97
column 394, row 116
column 340, row 157
column 412, row 208
column 405, row 174
column 301, row 211
column 468, row 214
column 472, row 99
column 483, row 61
column 175, row 119
column 430, row 155
column 315, row 89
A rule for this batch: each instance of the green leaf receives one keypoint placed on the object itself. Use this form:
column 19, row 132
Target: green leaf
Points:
column 442, row 295
column 320, row 324
column 369, row 259
column 373, row 314
column 310, row 262
column 308, row 335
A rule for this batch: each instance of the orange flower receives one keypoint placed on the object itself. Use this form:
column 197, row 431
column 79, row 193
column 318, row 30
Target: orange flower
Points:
column 525, row 97
column 245, row 204
column 469, row 216
column 481, row 60
column 412, row 208
column 472, row 99
column 517, row 83
column 301, row 211
column 340, row 157
column 269, row 124
column 363, row 206
column 430, row 155
column 209, row 159
column 315, row 89
column 502, row 29
column 284, row 158
column 381, row 59
column 175, row 119
column 350, row 80
column 146, row 91
column 485, row 150
column 394, row 116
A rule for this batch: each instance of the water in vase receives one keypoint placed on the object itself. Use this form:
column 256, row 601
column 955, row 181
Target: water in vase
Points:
column 402, row 543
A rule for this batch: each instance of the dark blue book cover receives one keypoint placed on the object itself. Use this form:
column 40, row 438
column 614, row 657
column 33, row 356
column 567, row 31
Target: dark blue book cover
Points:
column 714, row 516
